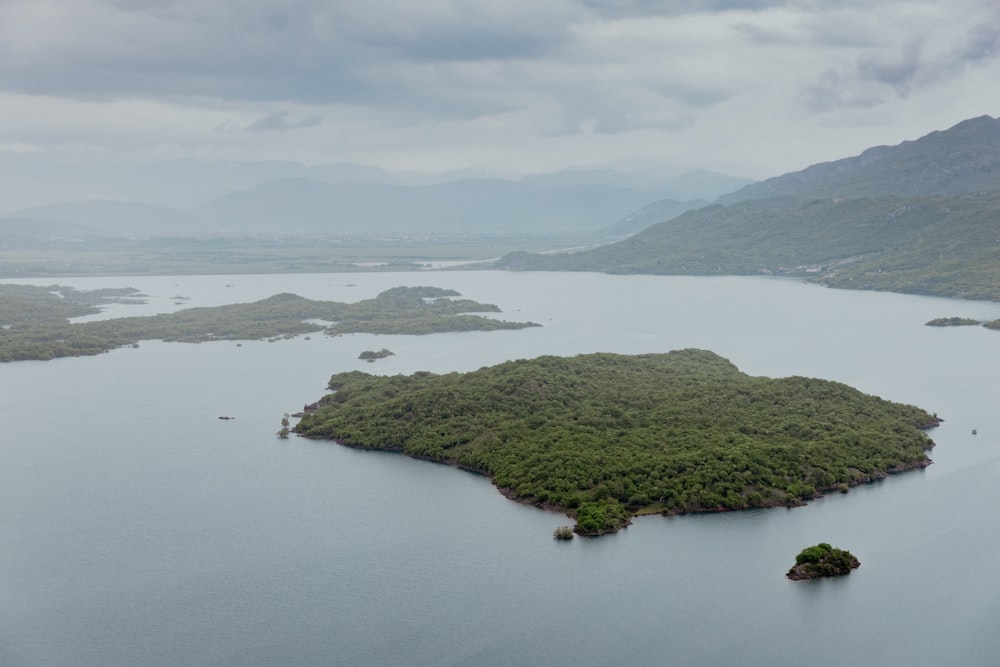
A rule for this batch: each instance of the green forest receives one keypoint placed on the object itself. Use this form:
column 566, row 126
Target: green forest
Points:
column 35, row 324
column 604, row 437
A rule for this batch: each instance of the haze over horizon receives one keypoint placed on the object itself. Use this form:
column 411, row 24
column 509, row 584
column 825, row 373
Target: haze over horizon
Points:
column 751, row 88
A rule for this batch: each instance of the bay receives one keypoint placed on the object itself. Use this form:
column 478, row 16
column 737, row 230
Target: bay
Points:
column 136, row 528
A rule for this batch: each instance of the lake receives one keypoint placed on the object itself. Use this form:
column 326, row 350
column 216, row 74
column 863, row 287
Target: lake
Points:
column 137, row 528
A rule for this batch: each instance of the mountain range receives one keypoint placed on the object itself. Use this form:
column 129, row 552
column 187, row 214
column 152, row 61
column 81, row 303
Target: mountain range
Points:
column 921, row 217
column 198, row 198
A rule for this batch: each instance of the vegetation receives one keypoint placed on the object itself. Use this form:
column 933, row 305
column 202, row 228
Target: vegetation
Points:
column 822, row 560
column 953, row 322
column 372, row 355
column 284, row 431
column 943, row 245
column 962, row 322
column 563, row 533
column 605, row 436
column 21, row 304
column 401, row 310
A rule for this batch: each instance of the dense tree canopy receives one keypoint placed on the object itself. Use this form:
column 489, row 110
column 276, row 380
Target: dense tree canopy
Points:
column 822, row 560
column 605, row 436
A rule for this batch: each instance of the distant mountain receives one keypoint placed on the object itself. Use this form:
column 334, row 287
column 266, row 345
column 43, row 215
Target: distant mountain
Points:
column 693, row 185
column 17, row 233
column 30, row 181
column 945, row 241
column 182, row 197
column 110, row 218
column 965, row 158
column 658, row 211
column 460, row 207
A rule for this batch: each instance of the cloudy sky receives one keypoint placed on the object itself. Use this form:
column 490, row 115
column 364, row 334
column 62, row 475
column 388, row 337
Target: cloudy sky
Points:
column 746, row 87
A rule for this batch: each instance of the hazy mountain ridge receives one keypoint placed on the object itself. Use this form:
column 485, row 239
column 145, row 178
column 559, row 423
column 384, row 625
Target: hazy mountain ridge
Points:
column 939, row 243
column 650, row 214
column 354, row 199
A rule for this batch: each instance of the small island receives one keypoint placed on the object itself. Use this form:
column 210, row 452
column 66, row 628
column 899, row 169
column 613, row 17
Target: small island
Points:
column 605, row 437
column 563, row 533
column 953, row 322
column 822, row 560
column 963, row 322
column 371, row 355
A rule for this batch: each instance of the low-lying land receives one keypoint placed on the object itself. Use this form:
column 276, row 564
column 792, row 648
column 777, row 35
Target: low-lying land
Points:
column 604, row 437
column 963, row 322
column 44, row 258
column 35, row 325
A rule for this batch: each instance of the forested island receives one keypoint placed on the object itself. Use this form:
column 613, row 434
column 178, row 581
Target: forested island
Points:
column 604, row 437
column 822, row 560
column 34, row 321
column 371, row 355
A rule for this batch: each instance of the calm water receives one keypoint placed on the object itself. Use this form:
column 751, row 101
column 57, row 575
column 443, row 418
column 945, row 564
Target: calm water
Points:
column 136, row 528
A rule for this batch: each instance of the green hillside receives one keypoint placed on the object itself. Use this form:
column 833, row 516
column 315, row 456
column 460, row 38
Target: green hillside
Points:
column 936, row 243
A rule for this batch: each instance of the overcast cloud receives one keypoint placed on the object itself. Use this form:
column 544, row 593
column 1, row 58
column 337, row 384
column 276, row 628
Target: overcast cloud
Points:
column 748, row 87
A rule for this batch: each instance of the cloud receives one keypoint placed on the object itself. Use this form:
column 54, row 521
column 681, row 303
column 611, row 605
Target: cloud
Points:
column 931, row 50
column 983, row 43
column 519, row 81
column 896, row 69
column 280, row 120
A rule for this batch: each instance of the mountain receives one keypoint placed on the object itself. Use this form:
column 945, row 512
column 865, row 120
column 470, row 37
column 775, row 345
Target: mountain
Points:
column 110, row 218
column 943, row 241
column 459, row 207
column 31, row 181
column 23, row 233
column 965, row 158
column 660, row 183
column 184, row 197
column 650, row 214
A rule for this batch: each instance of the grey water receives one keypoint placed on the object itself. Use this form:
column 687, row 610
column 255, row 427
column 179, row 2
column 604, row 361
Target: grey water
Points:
column 137, row 528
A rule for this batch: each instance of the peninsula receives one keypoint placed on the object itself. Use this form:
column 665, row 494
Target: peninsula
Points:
column 605, row 437
column 34, row 322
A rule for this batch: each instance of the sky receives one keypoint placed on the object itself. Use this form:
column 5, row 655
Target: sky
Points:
column 750, row 88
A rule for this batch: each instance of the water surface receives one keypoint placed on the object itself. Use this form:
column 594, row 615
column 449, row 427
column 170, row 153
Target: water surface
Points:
column 136, row 528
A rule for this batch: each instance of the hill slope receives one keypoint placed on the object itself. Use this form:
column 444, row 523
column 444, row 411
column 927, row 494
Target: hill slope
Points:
column 939, row 243
column 964, row 158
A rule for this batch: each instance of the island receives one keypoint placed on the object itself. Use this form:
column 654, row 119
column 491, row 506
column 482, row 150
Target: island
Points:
column 963, row 322
column 822, row 560
column 371, row 355
column 605, row 437
column 953, row 322
column 34, row 322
